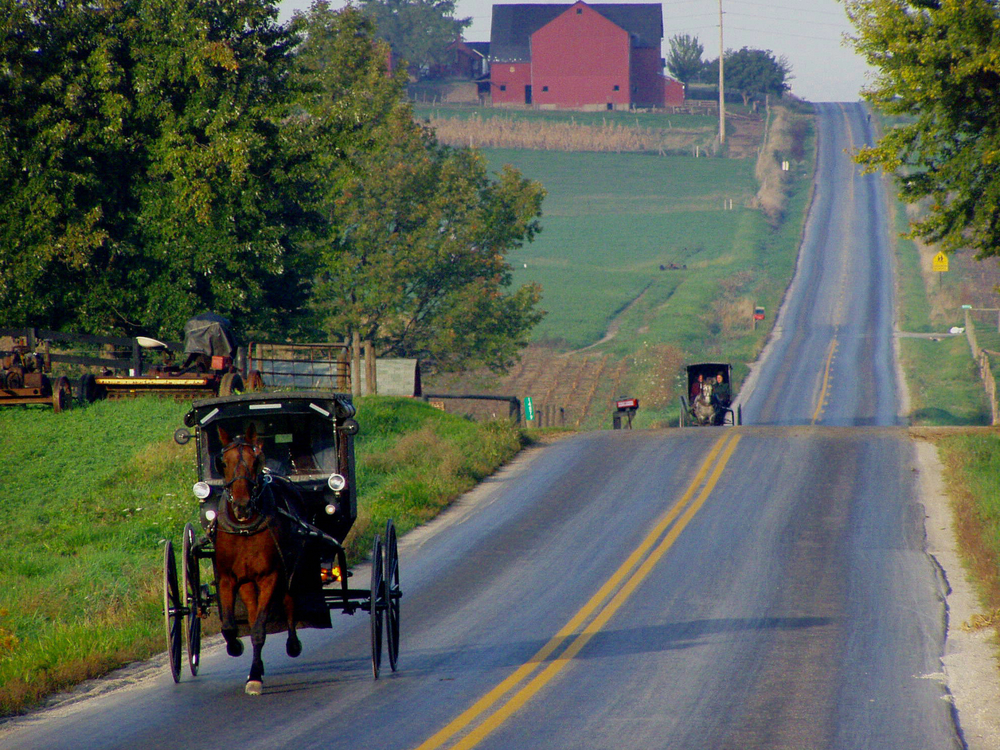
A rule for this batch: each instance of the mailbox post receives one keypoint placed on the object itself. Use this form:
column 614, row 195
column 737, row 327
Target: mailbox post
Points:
column 626, row 407
column 758, row 314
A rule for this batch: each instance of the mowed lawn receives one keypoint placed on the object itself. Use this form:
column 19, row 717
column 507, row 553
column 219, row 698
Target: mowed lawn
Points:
column 611, row 220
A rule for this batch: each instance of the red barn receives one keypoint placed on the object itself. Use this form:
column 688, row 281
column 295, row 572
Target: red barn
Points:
column 579, row 56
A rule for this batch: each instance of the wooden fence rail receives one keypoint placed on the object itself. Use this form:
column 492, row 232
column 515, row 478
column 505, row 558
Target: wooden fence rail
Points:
column 985, row 368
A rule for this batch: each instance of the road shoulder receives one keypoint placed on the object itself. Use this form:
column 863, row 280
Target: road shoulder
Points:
column 969, row 660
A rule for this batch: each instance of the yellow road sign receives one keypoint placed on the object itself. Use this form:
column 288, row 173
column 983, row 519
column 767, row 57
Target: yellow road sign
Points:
column 940, row 262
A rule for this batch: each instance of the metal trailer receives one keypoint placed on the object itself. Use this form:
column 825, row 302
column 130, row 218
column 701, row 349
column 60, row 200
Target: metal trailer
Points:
column 209, row 368
column 24, row 379
column 307, row 441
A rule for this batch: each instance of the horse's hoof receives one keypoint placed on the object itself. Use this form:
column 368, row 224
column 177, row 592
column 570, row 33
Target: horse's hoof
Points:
column 293, row 648
column 254, row 687
column 234, row 647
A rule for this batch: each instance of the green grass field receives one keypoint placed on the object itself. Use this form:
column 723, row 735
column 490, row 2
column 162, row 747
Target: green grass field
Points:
column 611, row 220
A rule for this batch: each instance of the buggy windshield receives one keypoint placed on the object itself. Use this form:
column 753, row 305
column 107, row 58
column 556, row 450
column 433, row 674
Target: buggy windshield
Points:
column 294, row 445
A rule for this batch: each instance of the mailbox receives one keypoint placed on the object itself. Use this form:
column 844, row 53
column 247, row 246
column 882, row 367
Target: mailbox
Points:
column 626, row 407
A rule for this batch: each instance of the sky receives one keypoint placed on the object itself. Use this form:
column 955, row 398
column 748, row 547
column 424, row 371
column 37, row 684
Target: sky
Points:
column 809, row 33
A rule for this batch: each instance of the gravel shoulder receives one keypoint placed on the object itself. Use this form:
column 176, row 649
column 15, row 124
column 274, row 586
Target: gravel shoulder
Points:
column 970, row 660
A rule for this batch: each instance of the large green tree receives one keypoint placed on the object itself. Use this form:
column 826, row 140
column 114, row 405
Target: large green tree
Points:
column 141, row 164
column 411, row 247
column 938, row 66
column 684, row 58
column 756, row 73
column 419, row 31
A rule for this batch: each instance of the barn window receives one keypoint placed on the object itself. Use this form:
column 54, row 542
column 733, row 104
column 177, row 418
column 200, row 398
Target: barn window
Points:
column 503, row 87
column 545, row 88
column 579, row 11
column 617, row 87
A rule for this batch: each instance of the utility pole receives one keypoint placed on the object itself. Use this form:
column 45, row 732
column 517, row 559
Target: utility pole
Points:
column 722, row 84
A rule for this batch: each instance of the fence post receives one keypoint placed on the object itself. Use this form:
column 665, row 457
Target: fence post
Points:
column 355, row 365
column 514, row 412
column 136, row 357
column 370, row 375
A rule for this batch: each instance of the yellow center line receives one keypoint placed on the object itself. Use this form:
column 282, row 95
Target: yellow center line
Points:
column 525, row 670
column 820, row 403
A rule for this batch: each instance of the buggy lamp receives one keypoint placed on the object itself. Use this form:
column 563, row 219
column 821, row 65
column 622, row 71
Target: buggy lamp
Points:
column 201, row 490
column 330, row 509
column 210, row 515
column 336, row 482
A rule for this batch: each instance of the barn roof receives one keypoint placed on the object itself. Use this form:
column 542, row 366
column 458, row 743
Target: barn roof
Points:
column 513, row 25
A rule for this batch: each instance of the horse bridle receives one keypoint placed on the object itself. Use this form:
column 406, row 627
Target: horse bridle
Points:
column 257, row 484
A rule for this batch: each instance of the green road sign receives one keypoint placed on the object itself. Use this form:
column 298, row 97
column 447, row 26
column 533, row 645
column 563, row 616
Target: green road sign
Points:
column 529, row 409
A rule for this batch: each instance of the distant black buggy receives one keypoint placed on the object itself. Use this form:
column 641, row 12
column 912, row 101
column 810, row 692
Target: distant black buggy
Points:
column 277, row 496
column 708, row 398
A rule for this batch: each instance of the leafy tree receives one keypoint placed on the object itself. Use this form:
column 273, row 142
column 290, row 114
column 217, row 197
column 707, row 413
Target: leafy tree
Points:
column 419, row 31
column 413, row 236
column 937, row 66
column 138, row 154
column 684, row 59
column 755, row 73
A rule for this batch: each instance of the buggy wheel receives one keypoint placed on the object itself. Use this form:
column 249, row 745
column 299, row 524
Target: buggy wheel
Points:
column 231, row 383
column 392, row 594
column 191, row 589
column 173, row 612
column 377, row 604
column 62, row 395
column 255, row 381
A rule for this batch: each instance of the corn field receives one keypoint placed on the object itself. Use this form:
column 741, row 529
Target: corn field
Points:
column 502, row 132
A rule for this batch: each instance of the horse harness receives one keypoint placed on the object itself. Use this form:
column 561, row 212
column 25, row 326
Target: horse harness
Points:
column 258, row 484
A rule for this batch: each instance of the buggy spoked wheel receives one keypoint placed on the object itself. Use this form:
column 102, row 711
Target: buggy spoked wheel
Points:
column 191, row 590
column 173, row 611
column 377, row 604
column 392, row 594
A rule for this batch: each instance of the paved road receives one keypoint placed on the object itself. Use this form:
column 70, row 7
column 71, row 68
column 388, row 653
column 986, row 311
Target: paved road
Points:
column 759, row 587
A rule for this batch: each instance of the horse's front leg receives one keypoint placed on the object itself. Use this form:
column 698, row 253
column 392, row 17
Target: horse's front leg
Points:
column 227, row 614
column 258, row 600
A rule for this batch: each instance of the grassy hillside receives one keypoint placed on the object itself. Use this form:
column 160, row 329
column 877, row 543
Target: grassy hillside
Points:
column 611, row 220
column 90, row 496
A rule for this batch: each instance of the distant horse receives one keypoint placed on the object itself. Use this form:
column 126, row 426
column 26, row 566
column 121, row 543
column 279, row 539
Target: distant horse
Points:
column 248, row 552
column 703, row 406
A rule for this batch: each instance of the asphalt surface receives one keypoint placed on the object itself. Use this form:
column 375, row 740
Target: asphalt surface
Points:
column 759, row 587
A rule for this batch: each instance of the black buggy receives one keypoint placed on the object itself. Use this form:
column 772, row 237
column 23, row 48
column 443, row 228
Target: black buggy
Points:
column 708, row 398
column 307, row 445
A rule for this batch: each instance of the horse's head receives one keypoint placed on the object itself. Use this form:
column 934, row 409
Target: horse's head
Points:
column 241, row 461
column 706, row 391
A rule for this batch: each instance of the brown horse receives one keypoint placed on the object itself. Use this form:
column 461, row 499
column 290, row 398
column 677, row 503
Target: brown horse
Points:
column 248, row 552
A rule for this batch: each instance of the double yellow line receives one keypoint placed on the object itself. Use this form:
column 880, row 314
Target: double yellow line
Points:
column 632, row 572
column 821, row 401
